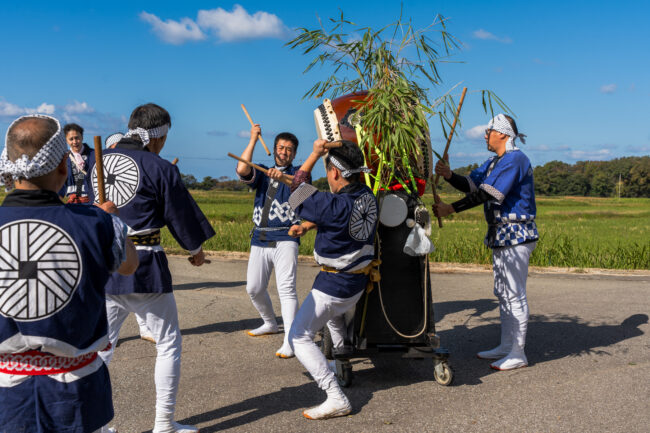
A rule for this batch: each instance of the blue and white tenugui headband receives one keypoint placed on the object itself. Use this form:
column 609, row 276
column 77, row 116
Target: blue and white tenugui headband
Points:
column 113, row 138
column 500, row 124
column 347, row 172
column 46, row 160
column 147, row 134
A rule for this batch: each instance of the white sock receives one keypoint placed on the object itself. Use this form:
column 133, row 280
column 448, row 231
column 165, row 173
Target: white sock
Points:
column 266, row 328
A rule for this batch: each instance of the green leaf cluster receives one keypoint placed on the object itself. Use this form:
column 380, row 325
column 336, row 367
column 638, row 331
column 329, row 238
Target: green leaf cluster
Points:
column 398, row 65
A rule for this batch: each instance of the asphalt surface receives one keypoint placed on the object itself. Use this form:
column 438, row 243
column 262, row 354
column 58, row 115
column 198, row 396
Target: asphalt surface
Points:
column 588, row 347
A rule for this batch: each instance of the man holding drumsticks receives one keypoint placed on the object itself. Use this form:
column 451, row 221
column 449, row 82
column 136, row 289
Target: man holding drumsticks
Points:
column 271, row 245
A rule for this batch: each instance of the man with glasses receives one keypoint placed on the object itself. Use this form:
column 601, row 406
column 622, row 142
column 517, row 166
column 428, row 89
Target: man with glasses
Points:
column 271, row 245
column 504, row 185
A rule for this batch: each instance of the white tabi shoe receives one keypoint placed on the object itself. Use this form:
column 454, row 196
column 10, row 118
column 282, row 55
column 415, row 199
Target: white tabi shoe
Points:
column 147, row 336
column 515, row 359
column 265, row 329
column 329, row 409
column 174, row 427
column 337, row 404
column 505, row 347
column 496, row 353
column 285, row 352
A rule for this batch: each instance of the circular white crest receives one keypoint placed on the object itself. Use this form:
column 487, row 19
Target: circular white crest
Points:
column 40, row 269
column 364, row 217
column 121, row 178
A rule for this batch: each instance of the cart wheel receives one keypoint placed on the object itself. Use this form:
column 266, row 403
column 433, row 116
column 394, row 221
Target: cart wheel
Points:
column 326, row 344
column 443, row 373
column 345, row 378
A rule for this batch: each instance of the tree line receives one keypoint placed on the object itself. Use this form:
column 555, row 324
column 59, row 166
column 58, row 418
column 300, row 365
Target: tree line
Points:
column 629, row 176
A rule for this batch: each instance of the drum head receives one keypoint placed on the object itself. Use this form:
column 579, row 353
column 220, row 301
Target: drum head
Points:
column 393, row 210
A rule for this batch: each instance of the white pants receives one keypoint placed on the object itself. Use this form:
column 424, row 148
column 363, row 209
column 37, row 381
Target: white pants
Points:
column 284, row 258
column 161, row 317
column 510, row 267
column 316, row 311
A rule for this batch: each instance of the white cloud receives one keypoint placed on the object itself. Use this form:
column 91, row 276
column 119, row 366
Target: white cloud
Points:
column 240, row 25
column 244, row 134
column 174, row 32
column 77, row 107
column 476, row 133
column 485, row 35
column 9, row 111
column 608, row 88
column 589, row 155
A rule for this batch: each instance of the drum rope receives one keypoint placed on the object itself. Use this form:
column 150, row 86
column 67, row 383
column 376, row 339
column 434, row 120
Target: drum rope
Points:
column 426, row 304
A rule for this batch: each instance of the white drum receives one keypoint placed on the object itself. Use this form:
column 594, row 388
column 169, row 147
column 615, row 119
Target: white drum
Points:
column 393, row 210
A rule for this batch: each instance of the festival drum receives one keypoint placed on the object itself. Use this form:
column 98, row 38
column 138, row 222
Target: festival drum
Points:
column 333, row 122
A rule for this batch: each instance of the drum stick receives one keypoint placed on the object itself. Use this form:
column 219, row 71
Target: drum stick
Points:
column 253, row 123
column 286, row 178
column 99, row 166
column 434, row 185
column 174, row 161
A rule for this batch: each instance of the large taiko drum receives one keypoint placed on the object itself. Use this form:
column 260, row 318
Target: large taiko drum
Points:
column 332, row 120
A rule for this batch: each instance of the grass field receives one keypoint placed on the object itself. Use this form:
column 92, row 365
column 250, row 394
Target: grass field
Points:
column 580, row 232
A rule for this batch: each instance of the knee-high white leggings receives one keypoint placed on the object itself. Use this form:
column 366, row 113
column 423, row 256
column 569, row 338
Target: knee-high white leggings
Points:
column 316, row 311
column 284, row 258
column 161, row 317
column 510, row 267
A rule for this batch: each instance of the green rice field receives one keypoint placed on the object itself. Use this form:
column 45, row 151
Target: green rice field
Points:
column 579, row 232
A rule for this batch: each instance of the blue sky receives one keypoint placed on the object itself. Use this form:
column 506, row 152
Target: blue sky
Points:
column 574, row 73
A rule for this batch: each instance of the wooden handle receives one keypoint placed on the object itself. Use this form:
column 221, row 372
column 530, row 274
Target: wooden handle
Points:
column 333, row 144
column 253, row 123
column 286, row 178
column 99, row 167
column 174, row 161
column 434, row 185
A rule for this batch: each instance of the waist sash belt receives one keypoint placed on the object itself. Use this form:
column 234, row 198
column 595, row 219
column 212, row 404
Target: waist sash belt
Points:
column 371, row 269
column 150, row 239
column 37, row 363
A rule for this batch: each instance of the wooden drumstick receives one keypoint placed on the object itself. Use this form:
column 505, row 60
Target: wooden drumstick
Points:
column 174, row 161
column 253, row 123
column 99, row 169
column 434, row 184
column 286, row 178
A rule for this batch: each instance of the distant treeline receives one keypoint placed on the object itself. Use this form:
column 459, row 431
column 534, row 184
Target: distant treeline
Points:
column 629, row 175
column 210, row 183
column 587, row 178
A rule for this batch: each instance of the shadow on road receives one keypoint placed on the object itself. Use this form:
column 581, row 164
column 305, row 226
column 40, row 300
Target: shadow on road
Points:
column 549, row 338
column 210, row 285
column 293, row 400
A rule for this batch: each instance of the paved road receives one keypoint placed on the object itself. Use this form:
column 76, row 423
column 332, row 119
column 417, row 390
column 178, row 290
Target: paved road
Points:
column 588, row 346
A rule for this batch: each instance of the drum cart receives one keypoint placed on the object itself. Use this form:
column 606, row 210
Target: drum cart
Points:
column 396, row 316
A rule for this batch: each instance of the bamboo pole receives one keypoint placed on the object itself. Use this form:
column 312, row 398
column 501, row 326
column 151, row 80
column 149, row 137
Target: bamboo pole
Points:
column 253, row 123
column 434, row 184
column 99, row 167
column 175, row 161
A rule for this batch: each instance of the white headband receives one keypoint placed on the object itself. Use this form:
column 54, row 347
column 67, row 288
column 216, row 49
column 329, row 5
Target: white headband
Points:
column 147, row 134
column 501, row 124
column 346, row 172
column 113, row 138
column 45, row 160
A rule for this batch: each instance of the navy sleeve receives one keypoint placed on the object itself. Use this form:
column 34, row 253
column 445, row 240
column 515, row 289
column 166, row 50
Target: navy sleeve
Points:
column 183, row 217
